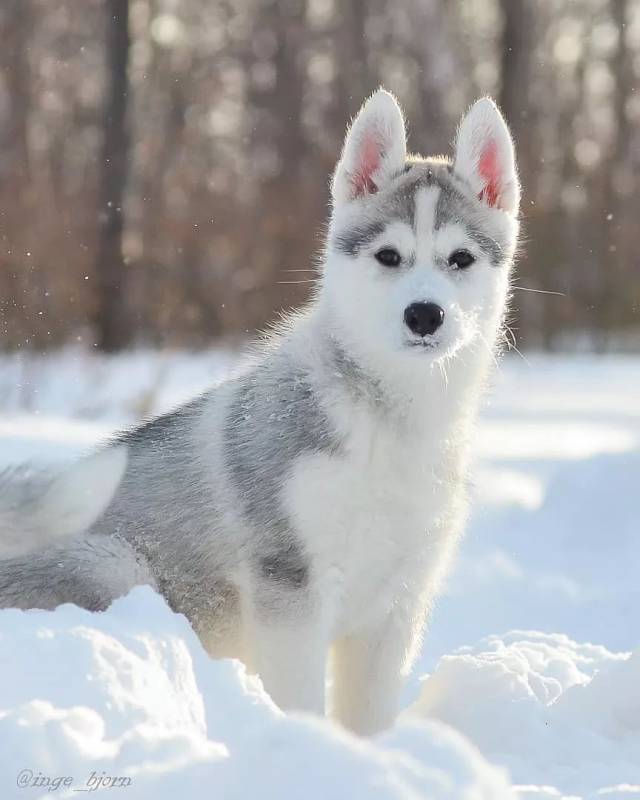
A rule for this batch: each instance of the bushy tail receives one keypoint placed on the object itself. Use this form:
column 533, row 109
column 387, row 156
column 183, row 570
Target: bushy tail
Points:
column 38, row 507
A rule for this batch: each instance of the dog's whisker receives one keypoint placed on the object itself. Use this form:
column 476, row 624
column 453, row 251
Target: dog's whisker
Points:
column 444, row 374
column 538, row 291
column 511, row 345
column 489, row 349
column 311, row 280
column 509, row 331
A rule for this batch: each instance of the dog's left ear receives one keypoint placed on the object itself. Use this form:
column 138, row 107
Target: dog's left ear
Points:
column 375, row 149
column 485, row 156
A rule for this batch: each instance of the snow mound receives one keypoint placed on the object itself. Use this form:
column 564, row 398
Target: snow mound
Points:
column 129, row 695
column 555, row 713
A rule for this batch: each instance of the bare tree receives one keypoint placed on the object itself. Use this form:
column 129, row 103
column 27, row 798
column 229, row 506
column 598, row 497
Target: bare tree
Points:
column 617, row 189
column 16, row 199
column 276, row 107
column 112, row 320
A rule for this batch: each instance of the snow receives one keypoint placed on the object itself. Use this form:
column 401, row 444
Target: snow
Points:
column 529, row 684
column 553, row 711
column 553, row 543
column 130, row 694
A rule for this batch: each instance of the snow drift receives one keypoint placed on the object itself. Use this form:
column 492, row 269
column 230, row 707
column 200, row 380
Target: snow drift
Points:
column 130, row 696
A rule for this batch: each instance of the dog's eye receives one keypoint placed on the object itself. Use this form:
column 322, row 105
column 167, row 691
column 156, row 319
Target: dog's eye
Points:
column 461, row 259
column 388, row 257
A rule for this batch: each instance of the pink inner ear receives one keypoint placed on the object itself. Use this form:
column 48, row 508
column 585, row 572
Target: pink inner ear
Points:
column 489, row 169
column 369, row 161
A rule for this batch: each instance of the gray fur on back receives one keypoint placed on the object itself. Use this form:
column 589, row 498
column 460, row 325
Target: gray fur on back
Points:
column 165, row 510
column 274, row 418
column 189, row 531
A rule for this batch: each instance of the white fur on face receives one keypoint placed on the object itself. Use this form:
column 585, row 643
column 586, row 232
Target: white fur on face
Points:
column 425, row 210
column 370, row 299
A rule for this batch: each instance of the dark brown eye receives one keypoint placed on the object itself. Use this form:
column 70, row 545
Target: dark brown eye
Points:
column 461, row 259
column 388, row 257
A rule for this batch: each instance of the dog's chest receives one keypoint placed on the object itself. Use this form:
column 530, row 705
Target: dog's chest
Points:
column 371, row 517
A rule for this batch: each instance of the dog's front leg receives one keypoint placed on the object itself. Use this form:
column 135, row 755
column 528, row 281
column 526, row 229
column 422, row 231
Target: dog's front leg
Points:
column 369, row 669
column 287, row 643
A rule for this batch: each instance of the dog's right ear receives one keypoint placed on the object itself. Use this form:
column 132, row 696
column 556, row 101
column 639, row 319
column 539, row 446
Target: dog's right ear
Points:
column 374, row 151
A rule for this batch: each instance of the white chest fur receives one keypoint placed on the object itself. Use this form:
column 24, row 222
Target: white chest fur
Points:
column 376, row 518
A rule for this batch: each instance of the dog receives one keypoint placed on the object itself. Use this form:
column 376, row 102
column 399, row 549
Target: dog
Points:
column 303, row 513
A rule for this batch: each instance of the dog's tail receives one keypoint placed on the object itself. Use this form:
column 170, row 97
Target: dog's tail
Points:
column 38, row 508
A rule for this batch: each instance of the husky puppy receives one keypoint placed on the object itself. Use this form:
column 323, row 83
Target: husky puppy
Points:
column 310, row 506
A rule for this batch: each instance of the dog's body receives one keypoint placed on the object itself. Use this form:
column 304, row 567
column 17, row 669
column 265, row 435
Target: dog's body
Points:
column 312, row 503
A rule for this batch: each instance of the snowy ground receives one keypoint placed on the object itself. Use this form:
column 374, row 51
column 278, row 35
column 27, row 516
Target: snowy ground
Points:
column 529, row 657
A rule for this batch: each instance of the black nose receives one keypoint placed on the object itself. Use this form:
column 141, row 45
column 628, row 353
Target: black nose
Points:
column 423, row 318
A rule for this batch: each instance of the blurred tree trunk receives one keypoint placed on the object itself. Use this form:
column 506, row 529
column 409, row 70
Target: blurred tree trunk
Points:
column 516, row 55
column 518, row 35
column 16, row 191
column 112, row 323
column 15, row 65
column 432, row 18
column 618, row 186
column 278, row 242
column 354, row 79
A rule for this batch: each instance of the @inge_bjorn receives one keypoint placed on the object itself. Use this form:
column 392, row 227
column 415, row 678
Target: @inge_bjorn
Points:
column 28, row 779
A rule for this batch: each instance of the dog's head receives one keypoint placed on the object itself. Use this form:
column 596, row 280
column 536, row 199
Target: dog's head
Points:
column 419, row 249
